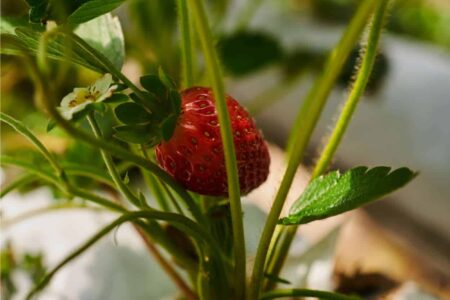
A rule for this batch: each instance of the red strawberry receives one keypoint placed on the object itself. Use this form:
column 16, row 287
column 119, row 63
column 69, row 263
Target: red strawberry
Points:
column 194, row 155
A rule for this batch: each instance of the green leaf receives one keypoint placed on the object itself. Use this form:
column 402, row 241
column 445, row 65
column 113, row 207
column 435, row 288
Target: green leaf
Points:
column 126, row 179
column 245, row 52
column 154, row 85
column 92, row 9
column 116, row 98
column 39, row 10
column 50, row 125
column 69, row 11
column 175, row 101
column 168, row 126
column 105, row 35
column 275, row 278
column 136, row 134
column 337, row 193
column 169, row 83
column 149, row 102
column 131, row 113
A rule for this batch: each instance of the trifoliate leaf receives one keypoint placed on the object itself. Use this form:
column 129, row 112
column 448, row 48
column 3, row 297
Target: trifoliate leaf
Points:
column 337, row 193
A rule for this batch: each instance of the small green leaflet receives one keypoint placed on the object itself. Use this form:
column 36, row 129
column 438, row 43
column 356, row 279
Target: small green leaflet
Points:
column 69, row 11
column 131, row 113
column 92, row 9
column 337, row 193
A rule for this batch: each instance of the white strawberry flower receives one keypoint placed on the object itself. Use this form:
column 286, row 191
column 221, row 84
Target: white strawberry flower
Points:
column 77, row 100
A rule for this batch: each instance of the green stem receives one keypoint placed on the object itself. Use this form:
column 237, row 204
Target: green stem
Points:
column 343, row 121
column 213, row 66
column 153, row 184
column 24, row 131
column 285, row 293
column 187, row 54
column 121, row 186
column 87, row 171
column 125, row 191
column 33, row 169
column 302, row 131
column 357, row 91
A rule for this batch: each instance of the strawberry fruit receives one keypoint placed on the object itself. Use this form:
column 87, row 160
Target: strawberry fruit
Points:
column 194, row 154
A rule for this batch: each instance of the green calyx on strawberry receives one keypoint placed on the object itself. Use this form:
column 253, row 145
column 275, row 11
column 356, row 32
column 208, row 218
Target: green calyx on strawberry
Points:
column 152, row 118
column 194, row 154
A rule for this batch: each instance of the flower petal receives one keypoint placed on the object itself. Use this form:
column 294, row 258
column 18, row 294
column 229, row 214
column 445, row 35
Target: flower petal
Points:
column 68, row 112
column 68, row 98
column 101, row 85
column 107, row 94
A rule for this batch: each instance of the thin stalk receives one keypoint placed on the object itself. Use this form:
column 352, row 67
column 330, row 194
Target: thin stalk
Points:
column 88, row 171
column 121, row 186
column 302, row 131
column 33, row 169
column 125, row 191
column 187, row 54
column 171, row 197
column 213, row 67
column 24, row 131
column 153, row 184
column 344, row 119
column 68, row 189
column 287, row 293
column 357, row 90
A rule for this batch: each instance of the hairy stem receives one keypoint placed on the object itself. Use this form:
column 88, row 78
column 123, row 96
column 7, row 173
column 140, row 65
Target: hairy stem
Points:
column 302, row 131
column 343, row 121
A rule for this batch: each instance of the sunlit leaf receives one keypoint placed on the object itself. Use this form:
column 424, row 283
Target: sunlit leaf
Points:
column 337, row 193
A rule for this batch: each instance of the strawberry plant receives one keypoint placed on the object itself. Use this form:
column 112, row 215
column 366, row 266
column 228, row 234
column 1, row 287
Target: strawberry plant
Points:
column 198, row 148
